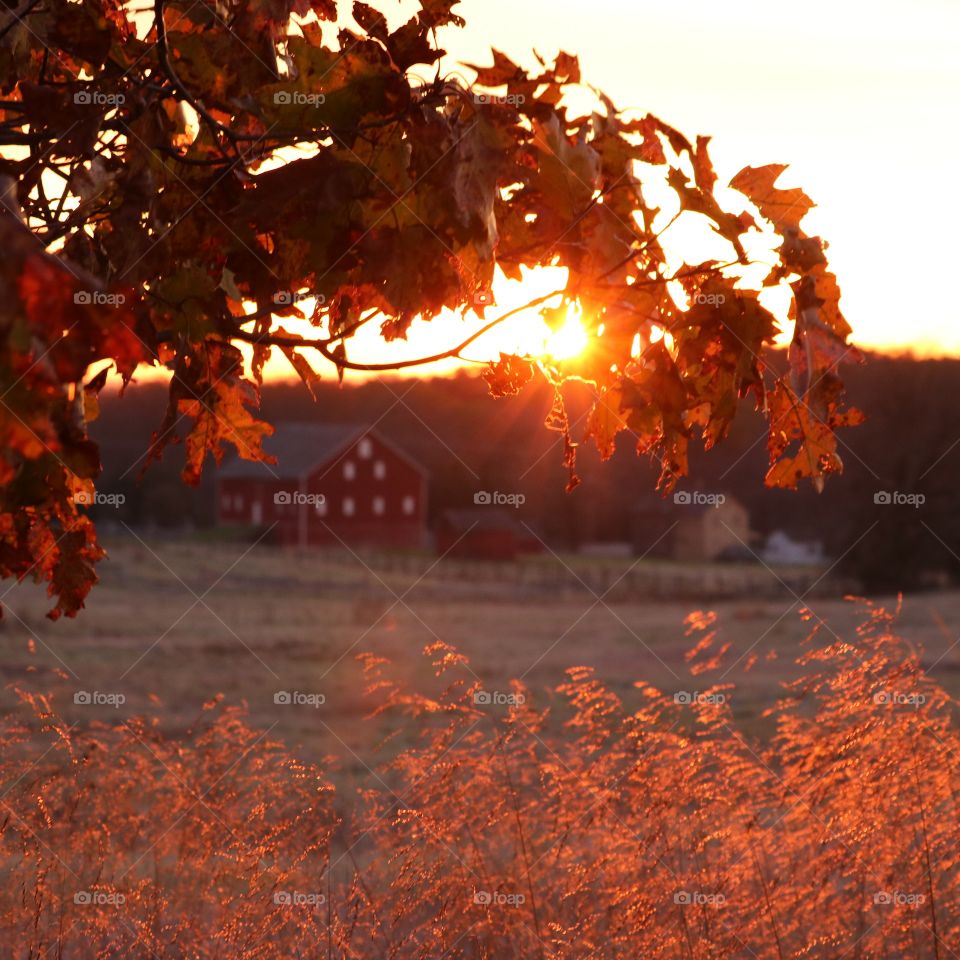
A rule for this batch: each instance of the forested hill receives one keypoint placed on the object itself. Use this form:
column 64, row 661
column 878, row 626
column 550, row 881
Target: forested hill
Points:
column 469, row 441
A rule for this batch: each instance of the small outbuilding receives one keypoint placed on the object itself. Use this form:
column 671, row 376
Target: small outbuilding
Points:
column 696, row 528
column 484, row 533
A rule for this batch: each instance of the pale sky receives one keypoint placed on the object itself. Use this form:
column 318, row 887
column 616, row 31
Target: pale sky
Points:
column 860, row 99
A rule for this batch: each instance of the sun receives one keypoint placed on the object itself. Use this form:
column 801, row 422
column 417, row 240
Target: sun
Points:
column 553, row 331
column 569, row 339
column 531, row 335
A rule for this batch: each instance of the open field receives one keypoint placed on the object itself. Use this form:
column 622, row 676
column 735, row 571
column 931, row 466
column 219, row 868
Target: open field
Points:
column 184, row 621
column 660, row 827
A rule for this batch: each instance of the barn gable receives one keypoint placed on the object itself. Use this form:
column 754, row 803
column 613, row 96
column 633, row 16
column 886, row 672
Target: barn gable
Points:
column 331, row 483
column 298, row 448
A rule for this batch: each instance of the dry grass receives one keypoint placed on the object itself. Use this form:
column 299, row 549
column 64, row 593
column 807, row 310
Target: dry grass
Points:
column 654, row 830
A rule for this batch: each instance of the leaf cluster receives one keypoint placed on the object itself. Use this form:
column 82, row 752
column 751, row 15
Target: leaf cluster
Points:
column 183, row 179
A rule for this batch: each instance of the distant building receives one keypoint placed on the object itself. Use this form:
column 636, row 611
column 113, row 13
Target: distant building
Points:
column 331, row 483
column 484, row 533
column 691, row 531
column 782, row 548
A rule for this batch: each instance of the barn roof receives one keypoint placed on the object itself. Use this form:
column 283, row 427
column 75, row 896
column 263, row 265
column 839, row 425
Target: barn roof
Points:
column 484, row 519
column 298, row 448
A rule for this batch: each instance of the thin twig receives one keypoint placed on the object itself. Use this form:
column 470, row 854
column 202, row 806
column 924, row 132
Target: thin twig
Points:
column 323, row 345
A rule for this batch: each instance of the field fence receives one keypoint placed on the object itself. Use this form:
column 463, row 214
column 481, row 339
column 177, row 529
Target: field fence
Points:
column 617, row 581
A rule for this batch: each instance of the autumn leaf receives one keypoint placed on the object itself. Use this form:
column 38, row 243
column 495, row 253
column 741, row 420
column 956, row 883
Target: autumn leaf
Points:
column 567, row 68
column 91, row 391
column 652, row 149
column 222, row 417
column 605, row 422
column 301, row 365
column 569, row 172
column 373, row 21
column 703, row 172
column 72, row 568
column 783, row 208
column 695, row 199
column 800, row 445
column 502, row 71
column 437, row 13
column 654, row 400
column 508, row 375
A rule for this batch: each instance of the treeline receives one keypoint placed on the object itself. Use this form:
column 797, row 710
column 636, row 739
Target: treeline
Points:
column 909, row 445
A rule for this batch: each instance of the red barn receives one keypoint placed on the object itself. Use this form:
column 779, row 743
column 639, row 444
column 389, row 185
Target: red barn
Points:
column 484, row 533
column 331, row 483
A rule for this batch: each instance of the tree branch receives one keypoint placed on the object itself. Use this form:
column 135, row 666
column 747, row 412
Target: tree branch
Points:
column 322, row 346
column 18, row 15
column 164, row 57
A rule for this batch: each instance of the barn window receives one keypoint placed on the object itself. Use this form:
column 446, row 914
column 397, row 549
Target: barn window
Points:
column 225, row 501
column 349, row 507
column 379, row 506
column 409, row 505
column 349, row 470
column 238, row 502
column 379, row 470
column 365, row 449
